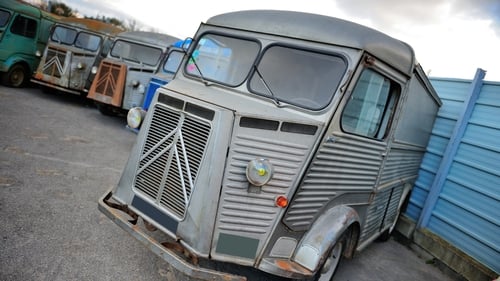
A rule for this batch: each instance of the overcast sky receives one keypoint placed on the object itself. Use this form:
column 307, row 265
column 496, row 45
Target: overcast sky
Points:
column 451, row 38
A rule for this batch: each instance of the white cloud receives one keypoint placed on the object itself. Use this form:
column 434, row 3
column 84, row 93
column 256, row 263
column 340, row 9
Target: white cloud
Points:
column 450, row 38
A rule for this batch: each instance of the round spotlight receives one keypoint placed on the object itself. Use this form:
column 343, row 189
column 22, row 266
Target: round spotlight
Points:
column 135, row 116
column 259, row 172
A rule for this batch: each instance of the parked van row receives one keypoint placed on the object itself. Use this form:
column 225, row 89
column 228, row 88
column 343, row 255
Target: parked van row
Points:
column 86, row 57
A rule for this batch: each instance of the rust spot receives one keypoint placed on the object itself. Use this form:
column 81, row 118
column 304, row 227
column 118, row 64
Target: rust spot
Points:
column 369, row 60
column 177, row 247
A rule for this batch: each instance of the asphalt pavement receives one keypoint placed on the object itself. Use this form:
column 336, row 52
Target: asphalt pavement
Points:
column 58, row 155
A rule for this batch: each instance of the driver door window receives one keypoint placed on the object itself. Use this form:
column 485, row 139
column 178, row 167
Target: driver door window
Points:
column 371, row 106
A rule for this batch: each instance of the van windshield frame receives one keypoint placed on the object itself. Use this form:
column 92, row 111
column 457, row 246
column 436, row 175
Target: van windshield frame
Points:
column 73, row 37
column 302, row 77
column 290, row 75
column 135, row 52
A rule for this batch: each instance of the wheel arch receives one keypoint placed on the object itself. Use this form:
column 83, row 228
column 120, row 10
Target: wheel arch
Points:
column 338, row 222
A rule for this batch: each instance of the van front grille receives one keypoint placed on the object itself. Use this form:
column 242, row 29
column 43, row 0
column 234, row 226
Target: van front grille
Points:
column 54, row 63
column 171, row 157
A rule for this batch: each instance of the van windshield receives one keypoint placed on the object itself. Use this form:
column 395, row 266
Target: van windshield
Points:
column 300, row 77
column 134, row 52
column 223, row 59
column 82, row 40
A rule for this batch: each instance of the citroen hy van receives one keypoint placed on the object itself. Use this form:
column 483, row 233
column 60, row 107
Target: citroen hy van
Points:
column 122, row 77
column 285, row 142
column 73, row 53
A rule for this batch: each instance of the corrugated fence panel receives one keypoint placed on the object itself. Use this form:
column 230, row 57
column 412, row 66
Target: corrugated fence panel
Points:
column 452, row 92
column 467, row 212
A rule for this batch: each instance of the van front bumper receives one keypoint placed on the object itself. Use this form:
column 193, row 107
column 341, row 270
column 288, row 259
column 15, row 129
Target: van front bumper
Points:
column 170, row 256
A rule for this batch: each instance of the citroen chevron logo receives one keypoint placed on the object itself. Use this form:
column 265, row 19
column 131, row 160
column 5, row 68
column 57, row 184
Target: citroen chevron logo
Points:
column 54, row 63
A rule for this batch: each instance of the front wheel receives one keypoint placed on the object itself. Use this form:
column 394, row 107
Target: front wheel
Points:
column 105, row 109
column 16, row 77
column 331, row 264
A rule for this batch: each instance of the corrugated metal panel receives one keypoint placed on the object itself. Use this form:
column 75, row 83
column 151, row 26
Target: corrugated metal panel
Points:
column 345, row 168
column 466, row 212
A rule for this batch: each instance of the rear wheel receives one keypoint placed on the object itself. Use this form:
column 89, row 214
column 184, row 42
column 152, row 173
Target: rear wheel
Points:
column 331, row 264
column 16, row 77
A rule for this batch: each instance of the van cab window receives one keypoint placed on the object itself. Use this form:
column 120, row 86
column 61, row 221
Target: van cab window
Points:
column 222, row 59
column 24, row 26
column 63, row 35
column 4, row 18
column 300, row 77
column 173, row 62
column 88, row 41
column 371, row 106
column 134, row 52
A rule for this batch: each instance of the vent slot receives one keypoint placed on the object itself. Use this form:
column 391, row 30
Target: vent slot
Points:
column 257, row 123
column 299, row 128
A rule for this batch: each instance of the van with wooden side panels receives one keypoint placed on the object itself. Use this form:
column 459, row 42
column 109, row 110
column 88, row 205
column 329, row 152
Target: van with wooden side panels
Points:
column 122, row 77
column 75, row 48
column 285, row 142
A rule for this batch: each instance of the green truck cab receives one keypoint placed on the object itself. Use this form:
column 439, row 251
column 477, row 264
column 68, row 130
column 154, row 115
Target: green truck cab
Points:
column 24, row 31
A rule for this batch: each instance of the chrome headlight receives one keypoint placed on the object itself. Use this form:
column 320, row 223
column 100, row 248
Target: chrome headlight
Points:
column 94, row 69
column 135, row 116
column 80, row 65
column 259, row 172
column 38, row 53
column 135, row 83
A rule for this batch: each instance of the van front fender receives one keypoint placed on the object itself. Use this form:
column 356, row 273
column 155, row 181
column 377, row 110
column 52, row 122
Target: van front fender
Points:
column 323, row 235
column 14, row 59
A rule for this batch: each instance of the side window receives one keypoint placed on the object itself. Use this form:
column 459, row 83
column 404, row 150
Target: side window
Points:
column 24, row 26
column 4, row 18
column 371, row 106
column 173, row 62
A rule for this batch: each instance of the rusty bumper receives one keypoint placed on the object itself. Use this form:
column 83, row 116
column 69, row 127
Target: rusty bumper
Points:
column 170, row 256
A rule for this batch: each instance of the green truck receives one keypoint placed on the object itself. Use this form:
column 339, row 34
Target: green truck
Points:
column 24, row 31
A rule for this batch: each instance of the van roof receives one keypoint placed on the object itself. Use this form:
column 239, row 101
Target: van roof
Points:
column 323, row 29
column 148, row 38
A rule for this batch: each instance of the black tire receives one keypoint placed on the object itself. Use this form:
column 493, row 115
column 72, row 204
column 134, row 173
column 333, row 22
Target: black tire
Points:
column 16, row 77
column 331, row 265
column 105, row 109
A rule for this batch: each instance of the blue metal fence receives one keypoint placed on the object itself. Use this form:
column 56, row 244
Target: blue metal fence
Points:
column 457, row 193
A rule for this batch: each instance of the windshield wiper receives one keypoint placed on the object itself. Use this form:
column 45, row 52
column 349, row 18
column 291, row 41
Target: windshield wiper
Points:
column 199, row 70
column 276, row 101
